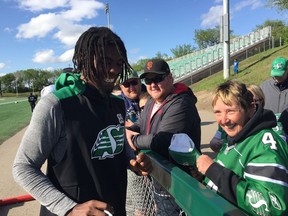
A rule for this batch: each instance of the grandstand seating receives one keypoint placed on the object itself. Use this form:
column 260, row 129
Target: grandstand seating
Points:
column 191, row 63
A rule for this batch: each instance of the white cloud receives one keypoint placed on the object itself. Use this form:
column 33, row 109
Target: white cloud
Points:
column 62, row 24
column 69, row 33
column 85, row 9
column 44, row 56
column 42, row 24
column 39, row 26
column 253, row 4
column 212, row 17
column 135, row 60
column 67, row 56
column 50, row 69
column 48, row 56
column 36, row 5
column 2, row 65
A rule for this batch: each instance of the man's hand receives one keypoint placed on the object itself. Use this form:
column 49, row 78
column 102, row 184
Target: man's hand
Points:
column 196, row 174
column 203, row 163
column 92, row 207
column 129, row 136
column 128, row 123
column 142, row 165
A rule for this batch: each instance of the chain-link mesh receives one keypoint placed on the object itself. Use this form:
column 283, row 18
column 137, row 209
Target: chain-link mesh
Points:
column 140, row 196
column 145, row 197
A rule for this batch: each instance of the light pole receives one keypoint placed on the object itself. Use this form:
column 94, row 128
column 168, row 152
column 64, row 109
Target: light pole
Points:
column 0, row 88
column 16, row 87
column 108, row 14
column 225, row 22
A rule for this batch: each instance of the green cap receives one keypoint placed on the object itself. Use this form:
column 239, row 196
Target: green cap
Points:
column 182, row 149
column 279, row 66
column 133, row 75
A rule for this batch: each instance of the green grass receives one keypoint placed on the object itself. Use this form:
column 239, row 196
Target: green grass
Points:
column 13, row 116
column 253, row 70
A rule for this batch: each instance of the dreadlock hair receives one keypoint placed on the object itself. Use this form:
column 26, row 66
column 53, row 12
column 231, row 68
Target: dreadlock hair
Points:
column 89, row 55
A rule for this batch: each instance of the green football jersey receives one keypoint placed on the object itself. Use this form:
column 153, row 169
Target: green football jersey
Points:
column 261, row 164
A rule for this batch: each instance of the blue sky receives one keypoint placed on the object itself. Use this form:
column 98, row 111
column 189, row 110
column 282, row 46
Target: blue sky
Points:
column 42, row 34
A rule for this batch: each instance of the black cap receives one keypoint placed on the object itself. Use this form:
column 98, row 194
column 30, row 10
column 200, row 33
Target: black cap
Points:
column 68, row 69
column 157, row 66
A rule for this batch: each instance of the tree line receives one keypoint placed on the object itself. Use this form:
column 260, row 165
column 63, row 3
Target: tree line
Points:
column 33, row 80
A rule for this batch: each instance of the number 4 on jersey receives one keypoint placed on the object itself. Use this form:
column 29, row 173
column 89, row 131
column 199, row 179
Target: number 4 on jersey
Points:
column 268, row 139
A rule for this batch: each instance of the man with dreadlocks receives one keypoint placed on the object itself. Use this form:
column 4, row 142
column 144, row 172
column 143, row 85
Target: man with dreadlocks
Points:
column 79, row 128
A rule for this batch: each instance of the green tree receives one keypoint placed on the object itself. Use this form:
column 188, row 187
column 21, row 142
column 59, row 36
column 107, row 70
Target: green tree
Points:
column 37, row 79
column 279, row 4
column 139, row 65
column 1, row 87
column 20, row 82
column 56, row 74
column 161, row 55
column 42, row 79
column 29, row 76
column 8, row 82
column 182, row 50
column 279, row 30
column 206, row 38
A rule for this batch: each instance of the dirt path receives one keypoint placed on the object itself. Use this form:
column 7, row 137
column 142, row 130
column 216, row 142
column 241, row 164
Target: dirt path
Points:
column 8, row 188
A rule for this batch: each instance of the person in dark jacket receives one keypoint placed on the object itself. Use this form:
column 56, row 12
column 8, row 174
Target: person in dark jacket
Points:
column 275, row 89
column 32, row 101
column 130, row 92
column 80, row 128
column 171, row 109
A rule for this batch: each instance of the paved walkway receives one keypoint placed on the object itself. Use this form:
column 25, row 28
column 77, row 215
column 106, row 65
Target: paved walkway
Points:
column 8, row 188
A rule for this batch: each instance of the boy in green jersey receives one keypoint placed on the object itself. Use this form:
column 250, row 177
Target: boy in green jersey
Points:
column 251, row 169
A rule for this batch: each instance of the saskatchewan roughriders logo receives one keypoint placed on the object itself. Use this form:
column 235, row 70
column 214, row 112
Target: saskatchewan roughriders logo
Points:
column 109, row 142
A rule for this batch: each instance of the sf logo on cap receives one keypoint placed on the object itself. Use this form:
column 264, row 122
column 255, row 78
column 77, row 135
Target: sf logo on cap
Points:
column 149, row 65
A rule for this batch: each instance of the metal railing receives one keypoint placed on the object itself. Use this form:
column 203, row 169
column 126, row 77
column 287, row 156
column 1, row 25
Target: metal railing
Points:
column 190, row 195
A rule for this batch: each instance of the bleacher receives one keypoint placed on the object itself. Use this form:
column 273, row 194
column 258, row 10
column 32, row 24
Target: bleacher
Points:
column 191, row 63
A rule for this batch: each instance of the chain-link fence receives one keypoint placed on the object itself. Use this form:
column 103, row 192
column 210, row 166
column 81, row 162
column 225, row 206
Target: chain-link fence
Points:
column 145, row 197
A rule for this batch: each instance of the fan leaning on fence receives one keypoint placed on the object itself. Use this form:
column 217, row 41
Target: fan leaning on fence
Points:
column 140, row 195
column 253, row 159
column 171, row 110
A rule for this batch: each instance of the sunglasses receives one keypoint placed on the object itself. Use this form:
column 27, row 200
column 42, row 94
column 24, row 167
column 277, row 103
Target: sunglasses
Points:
column 127, row 84
column 155, row 80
